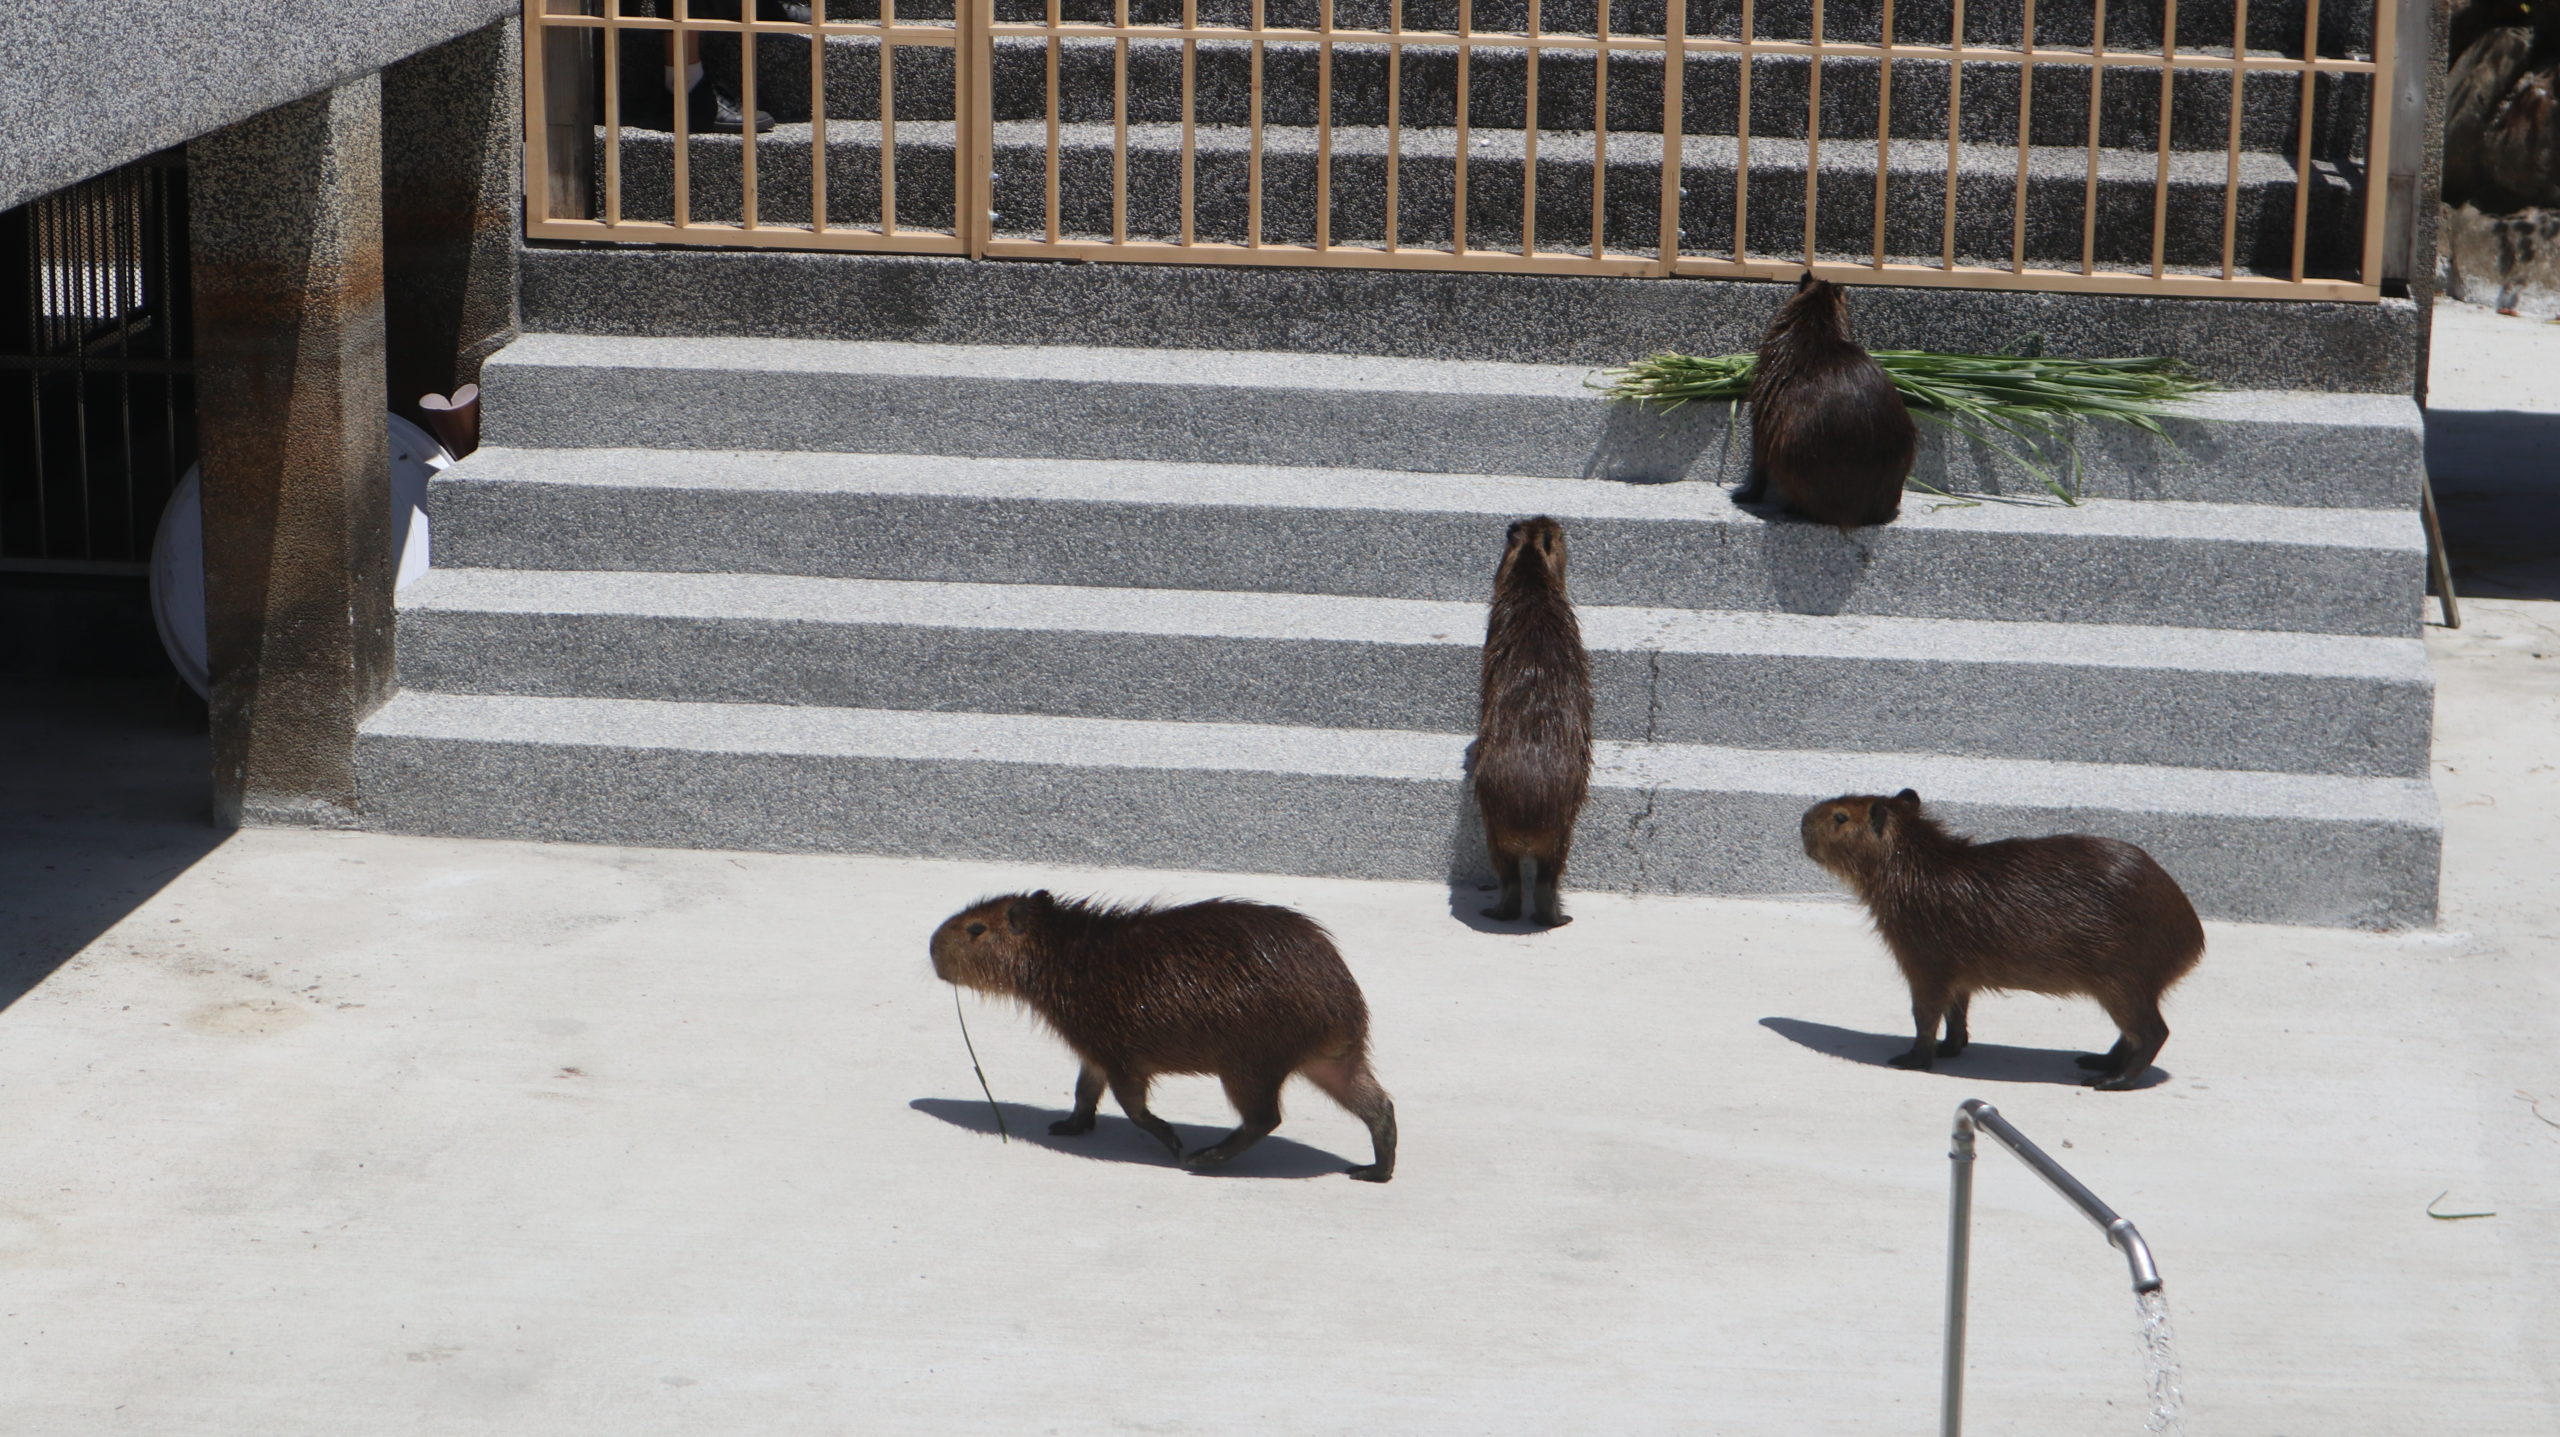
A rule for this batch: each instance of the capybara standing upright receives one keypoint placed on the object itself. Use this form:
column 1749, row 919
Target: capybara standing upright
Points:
column 1827, row 426
column 2071, row 915
column 1532, row 765
column 1247, row 991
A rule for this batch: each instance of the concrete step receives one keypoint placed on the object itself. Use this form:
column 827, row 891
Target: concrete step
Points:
column 1213, row 407
column 1370, row 804
column 1576, row 319
column 1387, row 534
column 1426, row 88
column 1986, row 180
column 2086, row 693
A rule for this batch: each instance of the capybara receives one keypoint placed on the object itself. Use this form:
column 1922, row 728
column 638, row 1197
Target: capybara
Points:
column 1247, row 991
column 1532, row 764
column 2071, row 915
column 1827, row 426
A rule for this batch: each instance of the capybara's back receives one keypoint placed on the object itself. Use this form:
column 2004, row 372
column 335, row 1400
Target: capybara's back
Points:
column 1827, row 426
column 1532, row 761
column 1249, row 992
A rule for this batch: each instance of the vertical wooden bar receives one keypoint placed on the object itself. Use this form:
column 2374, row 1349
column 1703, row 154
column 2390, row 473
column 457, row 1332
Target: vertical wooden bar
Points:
column 2168, row 100
column 2302, row 152
column 612, row 113
column 2377, row 162
column 818, row 125
column 1600, row 133
column 2026, row 120
column 1253, row 140
column 1395, row 117
column 538, row 198
column 1529, row 141
column 1675, row 67
column 1884, row 129
column 1190, row 125
column 1051, row 194
column 973, row 62
column 2231, row 179
column 1458, row 176
column 1813, row 134
column 683, row 111
column 1324, row 126
column 888, row 102
column 1955, row 132
column 747, row 105
column 1120, row 126
column 2097, row 92
column 1742, row 146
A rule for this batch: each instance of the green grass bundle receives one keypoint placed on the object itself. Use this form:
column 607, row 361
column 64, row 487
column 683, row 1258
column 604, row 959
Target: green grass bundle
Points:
column 2017, row 404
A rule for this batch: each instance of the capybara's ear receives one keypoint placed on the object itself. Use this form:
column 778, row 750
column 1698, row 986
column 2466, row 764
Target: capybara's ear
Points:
column 1875, row 815
column 1017, row 914
column 1910, row 796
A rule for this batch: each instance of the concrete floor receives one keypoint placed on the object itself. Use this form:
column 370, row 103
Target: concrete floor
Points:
column 338, row 1133
column 344, row 1134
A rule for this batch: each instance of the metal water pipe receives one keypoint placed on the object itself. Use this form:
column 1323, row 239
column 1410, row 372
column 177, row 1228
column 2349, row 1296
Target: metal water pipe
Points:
column 1973, row 1115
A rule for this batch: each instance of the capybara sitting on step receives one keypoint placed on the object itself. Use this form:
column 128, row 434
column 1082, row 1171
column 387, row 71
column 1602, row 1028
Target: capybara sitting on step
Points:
column 1532, row 765
column 2072, row 915
column 1247, row 991
column 1827, row 426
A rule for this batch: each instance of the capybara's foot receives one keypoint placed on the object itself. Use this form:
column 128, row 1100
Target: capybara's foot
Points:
column 1951, row 1047
column 1918, row 1060
column 2119, row 1082
column 1208, row 1157
column 1554, row 919
column 2097, row 1062
column 1503, row 912
column 1071, row 1127
column 1372, row 1172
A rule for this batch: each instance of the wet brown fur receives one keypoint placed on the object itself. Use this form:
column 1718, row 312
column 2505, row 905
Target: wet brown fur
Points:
column 1249, row 992
column 1532, row 763
column 1827, row 426
column 2072, row 915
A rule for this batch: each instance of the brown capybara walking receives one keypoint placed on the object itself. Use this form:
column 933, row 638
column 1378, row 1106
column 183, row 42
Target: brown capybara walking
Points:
column 2071, row 915
column 1827, row 426
column 1532, row 758
column 1247, row 991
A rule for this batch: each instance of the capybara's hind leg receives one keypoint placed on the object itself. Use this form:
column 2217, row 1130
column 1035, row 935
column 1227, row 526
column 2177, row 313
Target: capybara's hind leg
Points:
column 2145, row 1031
column 1348, row 1081
column 1506, row 869
column 1089, row 1085
column 2106, row 1062
column 1549, row 911
column 1257, row 1101
column 1927, row 1007
column 1958, row 1035
column 1129, row 1090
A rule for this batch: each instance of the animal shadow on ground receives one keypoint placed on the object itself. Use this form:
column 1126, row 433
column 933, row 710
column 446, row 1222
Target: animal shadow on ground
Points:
column 1980, row 1061
column 1115, row 1139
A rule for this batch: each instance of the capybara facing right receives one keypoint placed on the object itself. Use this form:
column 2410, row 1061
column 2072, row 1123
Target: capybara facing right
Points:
column 1532, row 759
column 1247, row 991
column 1827, row 426
column 2072, row 915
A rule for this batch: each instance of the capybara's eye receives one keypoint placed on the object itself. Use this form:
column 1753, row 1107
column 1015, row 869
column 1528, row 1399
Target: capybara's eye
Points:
column 1838, row 817
column 977, row 928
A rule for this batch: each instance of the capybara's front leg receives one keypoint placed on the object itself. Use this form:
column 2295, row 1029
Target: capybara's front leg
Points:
column 1926, row 1009
column 1089, row 1085
column 1130, row 1091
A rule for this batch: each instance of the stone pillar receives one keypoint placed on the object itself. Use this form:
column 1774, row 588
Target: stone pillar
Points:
column 452, row 184
column 286, row 218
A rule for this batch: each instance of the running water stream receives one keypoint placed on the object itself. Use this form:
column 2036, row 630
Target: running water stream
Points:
column 2160, row 1358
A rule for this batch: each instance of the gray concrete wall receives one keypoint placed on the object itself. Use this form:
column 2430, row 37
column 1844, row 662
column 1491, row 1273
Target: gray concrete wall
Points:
column 88, row 87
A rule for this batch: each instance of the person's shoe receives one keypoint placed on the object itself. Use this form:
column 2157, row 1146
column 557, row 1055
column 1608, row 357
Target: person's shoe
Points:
column 711, row 112
column 791, row 10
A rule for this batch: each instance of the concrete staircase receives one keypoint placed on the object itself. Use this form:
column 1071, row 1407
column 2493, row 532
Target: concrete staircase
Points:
column 1127, row 604
column 1429, row 81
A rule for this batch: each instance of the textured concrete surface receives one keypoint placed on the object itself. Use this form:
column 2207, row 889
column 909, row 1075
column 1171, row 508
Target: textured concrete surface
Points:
column 1403, row 535
column 1668, row 818
column 2100, row 693
column 285, row 231
column 2302, row 448
column 90, row 87
column 2360, row 348
column 320, row 1133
